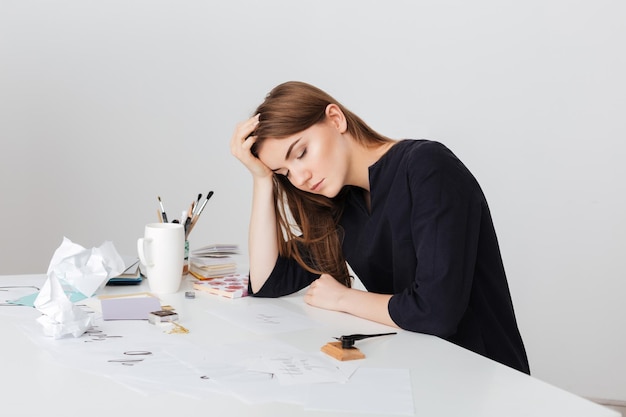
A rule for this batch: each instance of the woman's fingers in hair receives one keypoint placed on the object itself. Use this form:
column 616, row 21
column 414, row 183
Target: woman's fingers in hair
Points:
column 244, row 129
column 242, row 142
column 249, row 126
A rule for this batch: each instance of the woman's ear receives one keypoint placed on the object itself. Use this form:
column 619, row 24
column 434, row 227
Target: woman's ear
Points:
column 336, row 117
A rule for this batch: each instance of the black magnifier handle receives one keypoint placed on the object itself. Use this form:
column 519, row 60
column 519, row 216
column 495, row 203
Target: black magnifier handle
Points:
column 347, row 341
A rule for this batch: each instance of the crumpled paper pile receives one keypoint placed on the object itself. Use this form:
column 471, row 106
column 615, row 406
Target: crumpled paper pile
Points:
column 74, row 269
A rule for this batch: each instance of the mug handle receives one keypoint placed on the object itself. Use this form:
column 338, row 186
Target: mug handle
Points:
column 143, row 250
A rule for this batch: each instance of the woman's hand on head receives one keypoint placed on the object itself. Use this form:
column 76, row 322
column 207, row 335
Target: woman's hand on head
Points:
column 326, row 292
column 241, row 143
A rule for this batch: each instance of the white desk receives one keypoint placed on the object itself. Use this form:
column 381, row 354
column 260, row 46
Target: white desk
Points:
column 446, row 380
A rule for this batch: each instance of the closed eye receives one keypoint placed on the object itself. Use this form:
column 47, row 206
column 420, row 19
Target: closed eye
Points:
column 286, row 174
column 300, row 156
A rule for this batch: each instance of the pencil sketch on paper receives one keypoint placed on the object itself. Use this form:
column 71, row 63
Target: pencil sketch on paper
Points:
column 265, row 318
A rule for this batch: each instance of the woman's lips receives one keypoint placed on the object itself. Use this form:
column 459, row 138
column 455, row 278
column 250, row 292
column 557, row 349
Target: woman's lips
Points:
column 317, row 186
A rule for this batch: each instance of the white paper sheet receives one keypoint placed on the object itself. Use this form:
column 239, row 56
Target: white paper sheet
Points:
column 266, row 319
column 292, row 367
column 103, row 350
column 370, row 390
column 251, row 372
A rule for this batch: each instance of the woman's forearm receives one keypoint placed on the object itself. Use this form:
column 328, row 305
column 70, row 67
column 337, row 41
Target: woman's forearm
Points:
column 326, row 292
column 367, row 305
column 262, row 239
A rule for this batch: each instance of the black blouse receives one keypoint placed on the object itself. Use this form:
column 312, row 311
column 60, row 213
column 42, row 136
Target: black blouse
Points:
column 429, row 240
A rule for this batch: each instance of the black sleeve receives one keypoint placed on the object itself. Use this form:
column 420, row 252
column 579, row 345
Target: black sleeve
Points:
column 445, row 227
column 286, row 278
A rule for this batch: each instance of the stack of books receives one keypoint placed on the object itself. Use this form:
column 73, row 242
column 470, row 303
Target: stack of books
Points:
column 213, row 261
column 211, row 267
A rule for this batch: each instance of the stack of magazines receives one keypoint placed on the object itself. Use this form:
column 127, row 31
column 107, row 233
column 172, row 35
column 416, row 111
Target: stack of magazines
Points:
column 213, row 261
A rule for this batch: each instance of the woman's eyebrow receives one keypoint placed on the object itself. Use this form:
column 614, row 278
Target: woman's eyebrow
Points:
column 291, row 147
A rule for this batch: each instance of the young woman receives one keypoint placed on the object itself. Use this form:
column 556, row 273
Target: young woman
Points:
column 407, row 216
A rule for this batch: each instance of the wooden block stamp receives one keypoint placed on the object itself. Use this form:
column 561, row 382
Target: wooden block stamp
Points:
column 335, row 350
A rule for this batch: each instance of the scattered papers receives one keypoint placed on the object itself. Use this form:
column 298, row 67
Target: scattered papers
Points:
column 263, row 371
column 131, row 353
column 147, row 360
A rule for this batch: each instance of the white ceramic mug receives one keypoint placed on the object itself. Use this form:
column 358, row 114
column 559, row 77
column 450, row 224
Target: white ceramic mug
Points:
column 162, row 250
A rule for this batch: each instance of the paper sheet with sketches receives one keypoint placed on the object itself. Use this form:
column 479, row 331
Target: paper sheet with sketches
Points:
column 265, row 319
column 147, row 360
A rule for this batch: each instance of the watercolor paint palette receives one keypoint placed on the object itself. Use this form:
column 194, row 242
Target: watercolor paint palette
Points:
column 231, row 286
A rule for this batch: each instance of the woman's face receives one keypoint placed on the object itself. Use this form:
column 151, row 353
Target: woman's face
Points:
column 315, row 160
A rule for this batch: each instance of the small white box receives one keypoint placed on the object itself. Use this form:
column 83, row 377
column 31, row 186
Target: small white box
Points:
column 162, row 316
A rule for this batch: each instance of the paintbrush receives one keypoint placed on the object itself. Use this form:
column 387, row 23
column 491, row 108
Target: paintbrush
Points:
column 163, row 215
column 194, row 220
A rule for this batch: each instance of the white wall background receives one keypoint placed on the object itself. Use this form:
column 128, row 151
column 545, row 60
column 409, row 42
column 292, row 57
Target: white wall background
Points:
column 105, row 105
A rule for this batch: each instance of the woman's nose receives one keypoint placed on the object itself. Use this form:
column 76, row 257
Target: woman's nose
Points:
column 300, row 177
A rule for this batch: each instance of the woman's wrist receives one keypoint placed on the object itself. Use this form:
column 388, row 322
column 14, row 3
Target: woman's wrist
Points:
column 367, row 305
column 263, row 181
column 347, row 299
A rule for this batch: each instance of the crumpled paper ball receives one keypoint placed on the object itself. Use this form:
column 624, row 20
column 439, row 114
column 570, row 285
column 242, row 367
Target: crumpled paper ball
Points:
column 74, row 269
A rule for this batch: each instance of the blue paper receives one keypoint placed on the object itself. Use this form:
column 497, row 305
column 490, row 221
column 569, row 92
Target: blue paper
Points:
column 29, row 300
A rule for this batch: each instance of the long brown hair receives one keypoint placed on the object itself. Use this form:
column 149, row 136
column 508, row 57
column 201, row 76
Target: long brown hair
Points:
column 307, row 224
